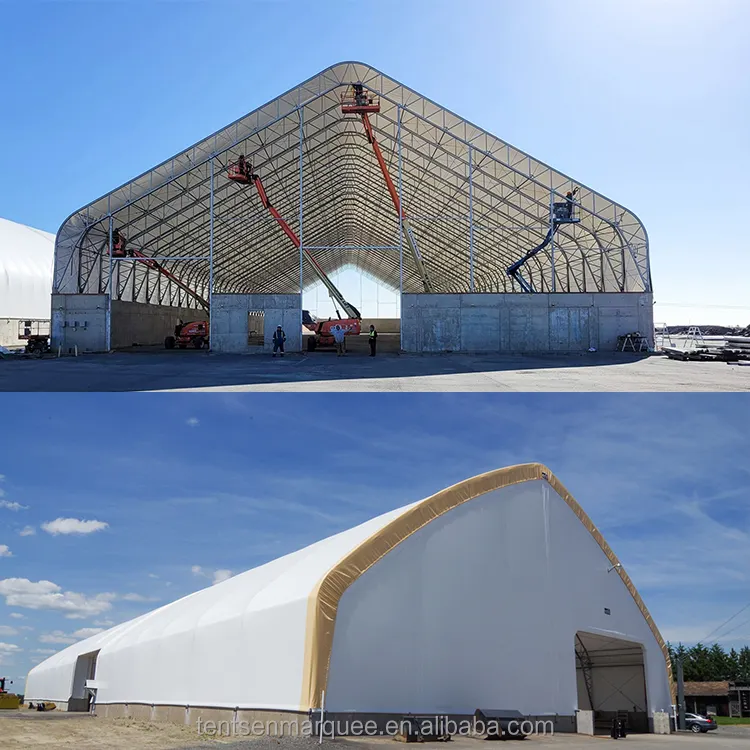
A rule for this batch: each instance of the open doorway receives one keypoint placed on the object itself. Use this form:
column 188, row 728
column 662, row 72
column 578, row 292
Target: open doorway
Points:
column 83, row 693
column 611, row 680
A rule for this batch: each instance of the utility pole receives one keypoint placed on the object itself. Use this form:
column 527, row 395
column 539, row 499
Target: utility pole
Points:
column 680, row 696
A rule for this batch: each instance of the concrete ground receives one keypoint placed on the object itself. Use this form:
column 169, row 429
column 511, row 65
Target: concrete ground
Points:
column 25, row 729
column 156, row 369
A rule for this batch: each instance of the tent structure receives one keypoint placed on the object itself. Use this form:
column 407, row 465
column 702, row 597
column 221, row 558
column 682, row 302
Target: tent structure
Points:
column 26, row 257
column 473, row 205
column 26, row 260
column 498, row 592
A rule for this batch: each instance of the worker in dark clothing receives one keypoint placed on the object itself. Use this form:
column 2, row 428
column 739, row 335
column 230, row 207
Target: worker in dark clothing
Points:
column 373, row 340
column 118, row 243
column 242, row 166
column 359, row 94
column 279, row 337
column 570, row 199
column 178, row 328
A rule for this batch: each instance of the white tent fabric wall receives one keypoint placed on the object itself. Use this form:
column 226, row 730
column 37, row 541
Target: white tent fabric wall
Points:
column 26, row 266
column 478, row 607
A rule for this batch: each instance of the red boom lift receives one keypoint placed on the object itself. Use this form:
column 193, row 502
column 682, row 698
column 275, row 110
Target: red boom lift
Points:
column 242, row 171
column 357, row 100
column 194, row 333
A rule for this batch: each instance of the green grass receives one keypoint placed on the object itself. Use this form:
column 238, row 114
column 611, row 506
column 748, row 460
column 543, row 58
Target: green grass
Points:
column 732, row 720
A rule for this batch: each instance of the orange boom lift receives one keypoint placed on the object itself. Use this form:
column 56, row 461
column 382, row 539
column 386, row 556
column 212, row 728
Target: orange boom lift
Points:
column 242, row 171
column 357, row 100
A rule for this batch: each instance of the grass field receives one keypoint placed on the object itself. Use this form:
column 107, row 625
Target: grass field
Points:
column 732, row 720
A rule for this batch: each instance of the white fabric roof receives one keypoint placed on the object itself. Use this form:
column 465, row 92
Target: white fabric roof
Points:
column 26, row 266
column 265, row 605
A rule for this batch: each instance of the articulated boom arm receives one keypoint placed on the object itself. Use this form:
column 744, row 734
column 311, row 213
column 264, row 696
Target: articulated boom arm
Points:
column 410, row 240
column 336, row 296
column 138, row 255
column 514, row 271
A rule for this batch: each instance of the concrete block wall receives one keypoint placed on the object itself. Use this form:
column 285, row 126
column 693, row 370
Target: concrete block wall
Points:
column 136, row 323
column 522, row 323
column 229, row 321
column 79, row 320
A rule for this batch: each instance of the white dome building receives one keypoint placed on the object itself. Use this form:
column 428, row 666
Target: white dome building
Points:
column 26, row 269
column 496, row 593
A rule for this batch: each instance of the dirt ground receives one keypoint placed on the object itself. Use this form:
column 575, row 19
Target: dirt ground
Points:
column 65, row 731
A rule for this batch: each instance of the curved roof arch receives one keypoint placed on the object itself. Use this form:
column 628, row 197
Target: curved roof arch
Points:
column 165, row 211
column 289, row 605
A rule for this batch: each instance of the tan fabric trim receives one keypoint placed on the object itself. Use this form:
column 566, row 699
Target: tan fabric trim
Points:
column 324, row 599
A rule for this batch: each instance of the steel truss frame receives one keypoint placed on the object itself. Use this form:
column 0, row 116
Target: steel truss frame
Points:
column 476, row 204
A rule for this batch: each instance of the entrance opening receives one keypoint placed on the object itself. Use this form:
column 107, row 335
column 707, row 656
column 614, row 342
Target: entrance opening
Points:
column 256, row 328
column 611, row 680
column 83, row 693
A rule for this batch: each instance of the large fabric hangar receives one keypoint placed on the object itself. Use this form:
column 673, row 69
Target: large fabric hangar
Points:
column 488, row 248
column 498, row 592
column 26, row 259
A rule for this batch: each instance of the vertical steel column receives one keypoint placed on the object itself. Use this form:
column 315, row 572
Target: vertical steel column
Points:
column 211, row 259
column 400, row 233
column 109, row 295
column 301, row 211
column 471, row 222
column 552, row 234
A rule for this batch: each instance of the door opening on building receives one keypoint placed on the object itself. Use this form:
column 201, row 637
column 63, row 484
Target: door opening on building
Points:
column 611, row 681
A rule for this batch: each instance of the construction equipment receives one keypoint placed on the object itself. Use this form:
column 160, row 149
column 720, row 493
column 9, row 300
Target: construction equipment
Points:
column 242, row 171
column 193, row 334
column 120, row 249
column 357, row 100
column 563, row 212
column 8, row 700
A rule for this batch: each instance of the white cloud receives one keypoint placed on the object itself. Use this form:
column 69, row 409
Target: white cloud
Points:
column 16, row 615
column 104, row 623
column 73, row 526
column 27, row 531
column 47, row 651
column 152, row 575
column 137, row 598
column 7, row 630
column 4, row 551
column 8, row 505
column 87, row 632
column 221, row 575
column 8, row 647
column 57, row 636
column 21, row 592
column 217, row 576
column 192, row 422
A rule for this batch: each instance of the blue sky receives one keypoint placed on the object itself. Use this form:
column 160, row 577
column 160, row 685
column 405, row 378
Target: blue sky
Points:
column 647, row 101
column 188, row 489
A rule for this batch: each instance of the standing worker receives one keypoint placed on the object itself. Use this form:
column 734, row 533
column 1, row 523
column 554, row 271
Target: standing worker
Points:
column 338, row 337
column 373, row 340
column 570, row 200
column 279, row 337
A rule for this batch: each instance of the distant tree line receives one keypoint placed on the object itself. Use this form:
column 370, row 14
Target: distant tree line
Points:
column 701, row 663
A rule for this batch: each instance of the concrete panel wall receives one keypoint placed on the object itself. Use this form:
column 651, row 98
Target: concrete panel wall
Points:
column 136, row 323
column 79, row 320
column 522, row 322
column 229, row 321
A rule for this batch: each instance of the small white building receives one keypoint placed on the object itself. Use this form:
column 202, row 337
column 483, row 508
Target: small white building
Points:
column 496, row 593
column 26, row 269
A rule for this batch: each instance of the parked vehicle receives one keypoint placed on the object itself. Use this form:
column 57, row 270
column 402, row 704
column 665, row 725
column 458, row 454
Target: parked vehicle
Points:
column 697, row 723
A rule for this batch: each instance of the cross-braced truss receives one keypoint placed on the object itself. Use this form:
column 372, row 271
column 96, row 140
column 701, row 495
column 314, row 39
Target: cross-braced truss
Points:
column 475, row 203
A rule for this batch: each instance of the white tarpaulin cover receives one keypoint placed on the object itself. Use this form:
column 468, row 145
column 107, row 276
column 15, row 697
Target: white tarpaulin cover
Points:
column 472, row 597
column 26, row 263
